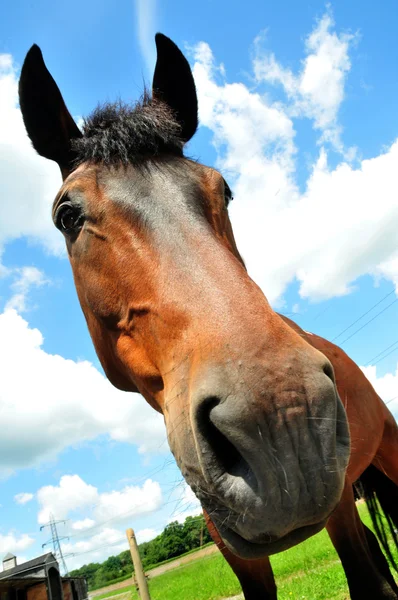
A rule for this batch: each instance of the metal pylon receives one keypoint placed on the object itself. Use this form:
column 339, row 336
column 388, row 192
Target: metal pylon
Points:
column 55, row 541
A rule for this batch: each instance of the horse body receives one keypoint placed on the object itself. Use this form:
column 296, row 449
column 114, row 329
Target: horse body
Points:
column 269, row 425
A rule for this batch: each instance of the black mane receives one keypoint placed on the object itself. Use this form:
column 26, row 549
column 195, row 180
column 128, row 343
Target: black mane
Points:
column 119, row 133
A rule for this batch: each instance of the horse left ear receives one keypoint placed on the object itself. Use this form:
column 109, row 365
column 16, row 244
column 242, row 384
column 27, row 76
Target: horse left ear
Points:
column 174, row 84
column 48, row 122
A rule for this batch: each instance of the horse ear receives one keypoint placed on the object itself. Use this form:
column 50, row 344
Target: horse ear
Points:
column 48, row 122
column 174, row 84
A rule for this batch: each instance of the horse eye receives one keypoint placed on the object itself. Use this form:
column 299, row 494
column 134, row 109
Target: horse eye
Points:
column 69, row 218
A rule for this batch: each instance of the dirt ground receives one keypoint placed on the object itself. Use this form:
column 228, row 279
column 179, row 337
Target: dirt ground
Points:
column 126, row 596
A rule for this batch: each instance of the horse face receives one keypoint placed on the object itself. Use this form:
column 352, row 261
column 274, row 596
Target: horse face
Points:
column 251, row 409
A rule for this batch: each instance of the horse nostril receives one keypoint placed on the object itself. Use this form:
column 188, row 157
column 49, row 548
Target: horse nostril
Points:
column 224, row 455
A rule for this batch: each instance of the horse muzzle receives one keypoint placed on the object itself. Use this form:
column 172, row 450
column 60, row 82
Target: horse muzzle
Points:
column 271, row 463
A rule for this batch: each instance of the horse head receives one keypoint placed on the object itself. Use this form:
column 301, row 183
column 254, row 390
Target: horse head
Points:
column 251, row 409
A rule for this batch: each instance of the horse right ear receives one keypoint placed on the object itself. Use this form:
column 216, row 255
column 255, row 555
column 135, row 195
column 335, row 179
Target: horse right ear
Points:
column 48, row 122
column 173, row 83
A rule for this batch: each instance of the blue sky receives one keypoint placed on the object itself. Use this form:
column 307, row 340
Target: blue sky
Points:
column 298, row 109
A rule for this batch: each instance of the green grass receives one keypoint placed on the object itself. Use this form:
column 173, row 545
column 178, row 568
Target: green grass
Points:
column 149, row 567
column 115, row 592
column 310, row 571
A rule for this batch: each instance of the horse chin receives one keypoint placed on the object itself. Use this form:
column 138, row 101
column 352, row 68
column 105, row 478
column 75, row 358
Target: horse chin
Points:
column 251, row 550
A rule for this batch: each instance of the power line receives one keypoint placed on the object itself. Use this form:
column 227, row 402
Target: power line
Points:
column 87, row 533
column 367, row 322
column 166, row 464
column 55, row 541
column 383, row 357
column 391, row 399
column 115, row 543
column 92, row 550
column 380, row 353
column 363, row 315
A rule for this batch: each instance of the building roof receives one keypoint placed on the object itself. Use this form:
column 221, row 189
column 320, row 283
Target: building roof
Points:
column 30, row 565
column 9, row 556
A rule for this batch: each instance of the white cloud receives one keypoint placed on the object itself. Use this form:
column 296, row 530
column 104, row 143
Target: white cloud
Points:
column 60, row 402
column 97, row 548
column 145, row 12
column 23, row 498
column 95, row 537
column 244, row 125
column 146, row 535
column 5, row 62
column 13, row 543
column 83, row 524
column 131, row 501
column 26, row 278
column 317, row 92
column 28, row 183
column 386, row 386
column 343, row 225
column 73, row 494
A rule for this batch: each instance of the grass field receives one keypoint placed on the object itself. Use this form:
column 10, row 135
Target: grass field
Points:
column 310, row 571
column 159, row 564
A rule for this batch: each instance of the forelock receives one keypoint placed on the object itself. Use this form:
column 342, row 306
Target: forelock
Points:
column 120, row 133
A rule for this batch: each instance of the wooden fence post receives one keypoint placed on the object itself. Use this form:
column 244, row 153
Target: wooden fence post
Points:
column 138, row 570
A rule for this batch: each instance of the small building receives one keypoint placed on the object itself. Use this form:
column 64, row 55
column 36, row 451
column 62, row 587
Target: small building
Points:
column 38, row 579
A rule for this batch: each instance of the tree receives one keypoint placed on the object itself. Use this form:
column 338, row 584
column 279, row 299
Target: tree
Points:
column 175, row 539
column 195, row 530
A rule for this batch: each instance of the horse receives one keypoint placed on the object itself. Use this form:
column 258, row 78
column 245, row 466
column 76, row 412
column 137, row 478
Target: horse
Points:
column 271, row 426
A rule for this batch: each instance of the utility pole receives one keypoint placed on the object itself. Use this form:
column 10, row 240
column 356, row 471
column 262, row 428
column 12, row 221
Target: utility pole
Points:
column 139, row 572
column 55, row 541
column 201, row 535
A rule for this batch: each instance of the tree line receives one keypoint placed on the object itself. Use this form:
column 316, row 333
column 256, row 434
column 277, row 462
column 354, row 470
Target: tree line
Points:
column 175, row 539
